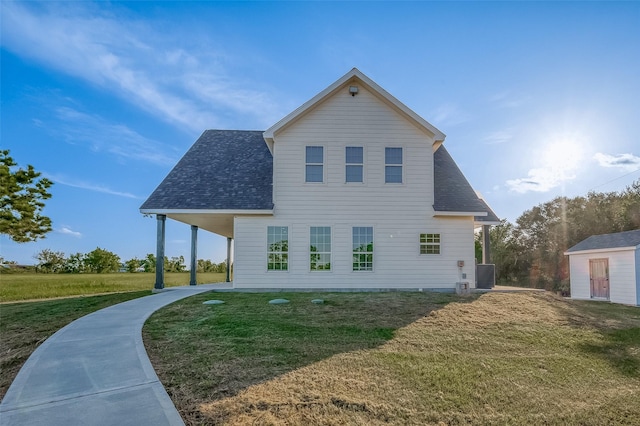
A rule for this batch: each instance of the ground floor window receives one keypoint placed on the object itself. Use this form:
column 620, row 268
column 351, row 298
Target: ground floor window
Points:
column 278, row 248
column 429, row 243
column 362, row 248
column 320, row 248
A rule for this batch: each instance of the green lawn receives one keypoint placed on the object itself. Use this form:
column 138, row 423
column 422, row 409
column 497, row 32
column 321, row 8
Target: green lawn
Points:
column 399, row 358
column 29, row 286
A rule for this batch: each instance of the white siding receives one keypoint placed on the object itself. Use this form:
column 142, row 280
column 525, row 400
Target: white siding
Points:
column 399, row 213
column 622, row 275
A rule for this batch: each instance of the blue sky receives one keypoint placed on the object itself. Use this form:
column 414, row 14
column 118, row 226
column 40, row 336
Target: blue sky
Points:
column 537, row 99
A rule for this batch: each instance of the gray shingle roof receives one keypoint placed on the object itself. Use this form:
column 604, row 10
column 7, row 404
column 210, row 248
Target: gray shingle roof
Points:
column 452, row 191
column 605, row 241
column 233, row 170
column 224, row 169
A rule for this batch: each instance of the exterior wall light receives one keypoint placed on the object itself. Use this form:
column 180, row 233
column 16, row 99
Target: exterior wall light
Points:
column 353, row 90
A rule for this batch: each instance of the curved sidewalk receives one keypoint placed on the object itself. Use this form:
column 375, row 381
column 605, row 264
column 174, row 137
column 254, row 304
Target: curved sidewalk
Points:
column 95, row 371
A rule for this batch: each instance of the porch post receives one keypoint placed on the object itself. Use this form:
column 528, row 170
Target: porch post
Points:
column 228, row 259
column 160, row 252
column 194, row 254
column 486, row 244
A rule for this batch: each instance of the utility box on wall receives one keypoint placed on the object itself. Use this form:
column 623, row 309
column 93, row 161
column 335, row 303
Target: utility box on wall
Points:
column 485, row 275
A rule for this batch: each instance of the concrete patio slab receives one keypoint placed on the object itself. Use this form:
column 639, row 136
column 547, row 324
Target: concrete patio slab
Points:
column 95, row 371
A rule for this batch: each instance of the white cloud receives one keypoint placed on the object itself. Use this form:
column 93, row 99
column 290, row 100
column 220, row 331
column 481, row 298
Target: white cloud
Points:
column 507, row 100
column 539, row 180
column 136, row 62
column 68, row 231
column 498, row 137
column 62, row 180
column 80, row 128
column 628, row 162
column 447, row 115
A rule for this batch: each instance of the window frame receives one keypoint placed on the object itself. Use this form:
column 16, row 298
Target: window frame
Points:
column 357, row 256
column 283, row 253
column 388, row 165
column 429, row 241
column 308, row 164
column 313, row 264
column 348, row 164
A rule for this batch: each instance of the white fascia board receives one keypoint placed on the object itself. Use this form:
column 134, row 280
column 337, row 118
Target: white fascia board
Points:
column 354, row 73
column 602, row 250
column 205, row 211
column 479, row 224
column 459, row 213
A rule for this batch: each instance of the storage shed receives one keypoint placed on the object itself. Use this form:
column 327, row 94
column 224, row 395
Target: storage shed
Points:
column 606, row 267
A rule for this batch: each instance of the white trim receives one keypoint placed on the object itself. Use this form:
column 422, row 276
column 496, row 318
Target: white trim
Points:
column 349, row 78
column 206, row 211
column 601, row 250
column 439, row 213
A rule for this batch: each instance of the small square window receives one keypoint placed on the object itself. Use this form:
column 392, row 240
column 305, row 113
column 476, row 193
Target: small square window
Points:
column 429, row 243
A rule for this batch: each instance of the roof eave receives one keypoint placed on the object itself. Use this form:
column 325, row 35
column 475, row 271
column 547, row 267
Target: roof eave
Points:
column 601, row 250
column 452, row 213
column 208, row 211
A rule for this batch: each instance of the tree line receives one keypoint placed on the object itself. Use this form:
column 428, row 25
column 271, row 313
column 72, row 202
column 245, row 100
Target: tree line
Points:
column 530, row 252
column 103, row 261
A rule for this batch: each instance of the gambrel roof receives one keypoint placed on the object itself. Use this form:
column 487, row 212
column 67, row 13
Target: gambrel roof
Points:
column 232, row 170
column 627, row 239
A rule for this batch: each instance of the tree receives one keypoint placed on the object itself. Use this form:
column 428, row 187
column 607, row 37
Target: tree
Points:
column 21, row 201
column 132, row 265
column 50, row 261
column 75, row 264
column 101, row 260
column 149, row 263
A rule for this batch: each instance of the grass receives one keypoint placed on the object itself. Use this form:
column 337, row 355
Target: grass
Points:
column 399, row 358
column 29, row 286
column 24, row 326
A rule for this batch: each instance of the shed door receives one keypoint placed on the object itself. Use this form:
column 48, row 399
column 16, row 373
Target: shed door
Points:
column 599, row 275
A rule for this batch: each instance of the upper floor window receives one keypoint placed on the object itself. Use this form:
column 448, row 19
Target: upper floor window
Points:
column 363, row 248
column 393, row 165
column 354, row 157
column 314, row 159
column 429, row 243
column 320, row 248
column 277, row 248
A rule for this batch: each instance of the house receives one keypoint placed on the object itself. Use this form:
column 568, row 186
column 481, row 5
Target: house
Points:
column 606, row 267
column 352, row 190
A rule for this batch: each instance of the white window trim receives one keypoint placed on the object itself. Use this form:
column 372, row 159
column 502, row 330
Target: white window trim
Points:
column 364, row 169
column 321, row 252
column 323, row 164
column 402, row 166
column 421, row 244
column 267, row 251
column 373, row 253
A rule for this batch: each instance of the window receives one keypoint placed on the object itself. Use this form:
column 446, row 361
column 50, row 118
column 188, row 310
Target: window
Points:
column 363, row 248
column 320, row 248
column 314, row 157
column 429, row 243
column 354, row 163
column 277, row 248
column 393, row 165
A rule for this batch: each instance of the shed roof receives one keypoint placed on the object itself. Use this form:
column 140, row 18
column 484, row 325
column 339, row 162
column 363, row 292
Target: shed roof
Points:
column 608, row 241
column 223, row 170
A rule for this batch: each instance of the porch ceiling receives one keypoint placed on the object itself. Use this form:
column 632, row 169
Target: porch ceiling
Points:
column 221, row 224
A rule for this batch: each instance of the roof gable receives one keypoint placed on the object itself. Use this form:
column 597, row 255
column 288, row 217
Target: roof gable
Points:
column 223, row 170
column 351, row 78
column 625, row 239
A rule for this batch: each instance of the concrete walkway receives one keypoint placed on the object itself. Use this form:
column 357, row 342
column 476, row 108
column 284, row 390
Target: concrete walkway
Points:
column 95, row 371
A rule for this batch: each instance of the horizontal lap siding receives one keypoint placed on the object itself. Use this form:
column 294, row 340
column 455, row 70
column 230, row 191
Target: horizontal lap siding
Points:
column 398, row 212
column 622, row 285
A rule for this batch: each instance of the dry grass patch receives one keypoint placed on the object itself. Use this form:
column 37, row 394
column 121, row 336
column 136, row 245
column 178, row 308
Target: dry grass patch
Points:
column 525, row 358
